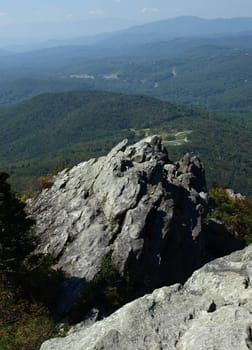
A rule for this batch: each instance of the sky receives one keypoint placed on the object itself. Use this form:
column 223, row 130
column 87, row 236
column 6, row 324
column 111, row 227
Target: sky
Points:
column 127, row 12
column 20, row 11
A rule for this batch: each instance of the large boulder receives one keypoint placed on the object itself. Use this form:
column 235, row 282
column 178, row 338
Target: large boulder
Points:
column 213, row 310
column 135, row 206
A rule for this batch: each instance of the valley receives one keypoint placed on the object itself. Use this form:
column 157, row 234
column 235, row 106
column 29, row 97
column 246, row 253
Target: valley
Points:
column 125, row 173
column 99, row 76
column 51, row 131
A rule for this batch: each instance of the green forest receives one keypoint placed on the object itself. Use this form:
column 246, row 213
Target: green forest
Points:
column 66, row 104
column 52, row 131
column 85, row 103
column 214, row 74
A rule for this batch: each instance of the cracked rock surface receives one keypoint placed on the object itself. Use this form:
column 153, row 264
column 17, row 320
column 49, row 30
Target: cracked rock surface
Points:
column 136, row 206
column 213, row 310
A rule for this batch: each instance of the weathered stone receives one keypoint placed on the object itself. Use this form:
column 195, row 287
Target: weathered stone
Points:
column 136, row 206
column 231, row 194
column 190, row 173
column 213, row 310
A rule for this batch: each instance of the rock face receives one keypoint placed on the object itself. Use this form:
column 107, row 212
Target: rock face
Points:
column 213, row 310
column 136, row 206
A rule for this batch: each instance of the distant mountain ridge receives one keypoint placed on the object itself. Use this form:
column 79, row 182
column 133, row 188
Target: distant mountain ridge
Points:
column 185, row 26
column 142, row 59
column 190, row 25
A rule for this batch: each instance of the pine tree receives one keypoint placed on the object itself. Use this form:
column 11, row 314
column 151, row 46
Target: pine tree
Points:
column 15, row 235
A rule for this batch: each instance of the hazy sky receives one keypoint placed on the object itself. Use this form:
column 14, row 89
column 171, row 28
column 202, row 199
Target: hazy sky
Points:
column 21, row 11
column 41, row 20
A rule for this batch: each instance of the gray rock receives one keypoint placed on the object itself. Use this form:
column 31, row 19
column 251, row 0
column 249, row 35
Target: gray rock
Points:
column 213, row 310
column 90, row 318
column 134, row 205
column 231, row 194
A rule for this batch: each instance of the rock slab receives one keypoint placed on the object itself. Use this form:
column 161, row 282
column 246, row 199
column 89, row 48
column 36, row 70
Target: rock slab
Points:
column 213, row 310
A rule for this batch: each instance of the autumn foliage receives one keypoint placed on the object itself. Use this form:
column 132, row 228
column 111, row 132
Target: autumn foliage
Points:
column 235, row 212
column 23, row 325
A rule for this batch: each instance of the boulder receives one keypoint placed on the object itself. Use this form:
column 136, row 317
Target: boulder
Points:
column 213, row 310
column 136, row 206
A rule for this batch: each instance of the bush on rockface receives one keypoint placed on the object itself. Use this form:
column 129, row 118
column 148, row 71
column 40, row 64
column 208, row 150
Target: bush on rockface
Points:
column 40, row 274
column 234, row 212
column 46, row 181
column 108, row 291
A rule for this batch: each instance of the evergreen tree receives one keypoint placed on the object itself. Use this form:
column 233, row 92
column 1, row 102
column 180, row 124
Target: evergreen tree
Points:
column 15, row 235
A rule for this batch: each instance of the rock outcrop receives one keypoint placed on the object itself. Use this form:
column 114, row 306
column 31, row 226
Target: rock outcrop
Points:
column 136, row 206
column 213, row 310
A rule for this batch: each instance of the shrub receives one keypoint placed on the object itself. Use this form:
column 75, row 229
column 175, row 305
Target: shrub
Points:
column 23, row 326
column 236, row 213
column 38, row 274
column 108, row 291
column 16, row 239
column 45, row 181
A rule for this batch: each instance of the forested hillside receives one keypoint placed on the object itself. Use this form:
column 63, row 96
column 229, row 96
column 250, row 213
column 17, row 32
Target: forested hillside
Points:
column 56, row 130
column 210, row 71
column 163, row 60
column 114, row 228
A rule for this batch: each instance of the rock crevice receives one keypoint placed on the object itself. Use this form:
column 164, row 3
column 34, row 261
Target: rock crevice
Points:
column 213, row 310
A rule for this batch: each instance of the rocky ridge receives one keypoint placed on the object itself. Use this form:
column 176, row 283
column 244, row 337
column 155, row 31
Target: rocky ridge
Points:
column 137, row 207
column 213, row 310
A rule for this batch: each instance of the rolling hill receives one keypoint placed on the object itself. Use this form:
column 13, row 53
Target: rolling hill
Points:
column 167, row 60
column 214, row 73
column 53, row 130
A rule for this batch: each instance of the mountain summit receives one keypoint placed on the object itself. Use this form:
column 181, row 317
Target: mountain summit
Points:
column 135, row 207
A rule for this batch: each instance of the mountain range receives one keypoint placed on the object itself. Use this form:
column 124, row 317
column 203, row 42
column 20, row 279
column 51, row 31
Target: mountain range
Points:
column 210, row 70
column 160, row 118
column 185, row 26
column 168, row 60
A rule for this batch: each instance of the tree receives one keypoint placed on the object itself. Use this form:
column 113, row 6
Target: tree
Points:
column 24, row 323
column 235, row 212
column 15, row 234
